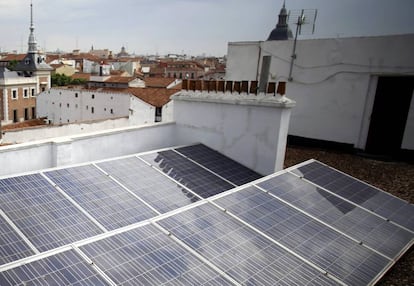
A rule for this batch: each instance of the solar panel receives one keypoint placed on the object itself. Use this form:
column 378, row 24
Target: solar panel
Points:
column 12, row 246
column 153, row 187
column 103, row 198
column 147, row 256
column 245, row 255
column 65, row 268
column 213, row 160
column 373, row 231
column 189, row 174
column 332, row 251
column 324, row 229
column 373, row 199
column 42, row 214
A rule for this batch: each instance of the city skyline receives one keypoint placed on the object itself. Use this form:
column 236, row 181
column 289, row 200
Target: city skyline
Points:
column 186, row 26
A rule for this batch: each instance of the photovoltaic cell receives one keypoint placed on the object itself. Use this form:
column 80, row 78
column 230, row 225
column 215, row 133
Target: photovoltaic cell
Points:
column 60, row 269
column 103, row 198
column 220, row 164
column 356, row 222
column 360, row 193
column 245, row 255
column 44, row 215
column 12, row 246
column 335, row 253
column 146, row 256
column 197, row 179
column 153, row 187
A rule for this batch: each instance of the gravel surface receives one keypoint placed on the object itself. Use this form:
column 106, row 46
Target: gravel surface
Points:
column 394, row 177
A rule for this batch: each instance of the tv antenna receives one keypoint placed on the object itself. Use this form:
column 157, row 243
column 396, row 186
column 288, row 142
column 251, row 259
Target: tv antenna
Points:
column 304, row 19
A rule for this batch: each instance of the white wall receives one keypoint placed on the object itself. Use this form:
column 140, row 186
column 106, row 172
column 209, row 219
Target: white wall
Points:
column 45, row 132
column 62, row 106
column 82, row 148
column 250, row 129
column 140, row 112
column 242, row 60
column 168, row 112
column 331, row 80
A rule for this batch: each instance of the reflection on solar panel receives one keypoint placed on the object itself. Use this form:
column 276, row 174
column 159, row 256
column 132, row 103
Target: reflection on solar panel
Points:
column 12, row 246
column 243, row 254
column 213, row 160
column 43, row 215
column 153, row 187
column 150, row 219
column 360, row 193
column 323, row 246
column 146, row 256
column 65, row 268
column 100, row 196
column 189, row 174
column 356, row 222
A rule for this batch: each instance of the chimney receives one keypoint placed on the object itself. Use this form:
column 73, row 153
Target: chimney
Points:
column 264, row 75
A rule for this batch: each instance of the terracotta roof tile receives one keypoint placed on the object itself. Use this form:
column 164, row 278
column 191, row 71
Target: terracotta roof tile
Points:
column 12, row 57
column 119, row 79
column 85, row 76
column 158, row 81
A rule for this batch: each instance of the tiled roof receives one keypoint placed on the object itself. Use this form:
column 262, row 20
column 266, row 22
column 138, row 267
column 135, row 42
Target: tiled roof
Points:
column 55, row 66
column 119, row 79
column 158, row 81
column 157, row 97
column 12, row 57
column 85, row 76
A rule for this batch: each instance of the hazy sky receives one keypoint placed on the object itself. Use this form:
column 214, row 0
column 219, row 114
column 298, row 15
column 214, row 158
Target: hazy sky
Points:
column 186, row 26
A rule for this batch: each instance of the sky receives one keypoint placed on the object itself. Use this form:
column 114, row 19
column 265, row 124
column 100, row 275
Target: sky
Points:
column 192, row 27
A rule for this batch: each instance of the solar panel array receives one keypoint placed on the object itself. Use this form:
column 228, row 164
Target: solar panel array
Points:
column 191, row 216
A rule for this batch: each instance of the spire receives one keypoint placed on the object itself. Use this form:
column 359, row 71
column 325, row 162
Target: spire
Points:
column 282, row 31
column 32, row 40
column 33, row 61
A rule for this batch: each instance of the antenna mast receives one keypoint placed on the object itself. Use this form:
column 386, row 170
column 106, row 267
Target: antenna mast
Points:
column 303, row 17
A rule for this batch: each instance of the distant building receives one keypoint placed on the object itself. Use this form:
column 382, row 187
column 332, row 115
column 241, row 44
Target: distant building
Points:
column 17, row 97
column 18, row 88
column 123, row 53
column 281, row 31
column 102, row 54
column 109, row 97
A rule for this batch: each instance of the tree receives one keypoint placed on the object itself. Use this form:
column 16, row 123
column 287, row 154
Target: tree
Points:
column 63, row 80
column 12, row 64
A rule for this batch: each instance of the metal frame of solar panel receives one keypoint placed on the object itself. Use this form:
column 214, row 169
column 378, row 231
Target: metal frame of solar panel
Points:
column 283, row 228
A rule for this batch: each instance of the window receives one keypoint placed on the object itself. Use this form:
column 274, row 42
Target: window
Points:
column 15, row 119
column 93, row 96
column 67, row 105
column 25, row 93
column 26, row 114
column 14, row 93
column 33, row 92
column 92, row 110
column 158, row 112
column 76, row 95
column 43, row 88
column 112, row 111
